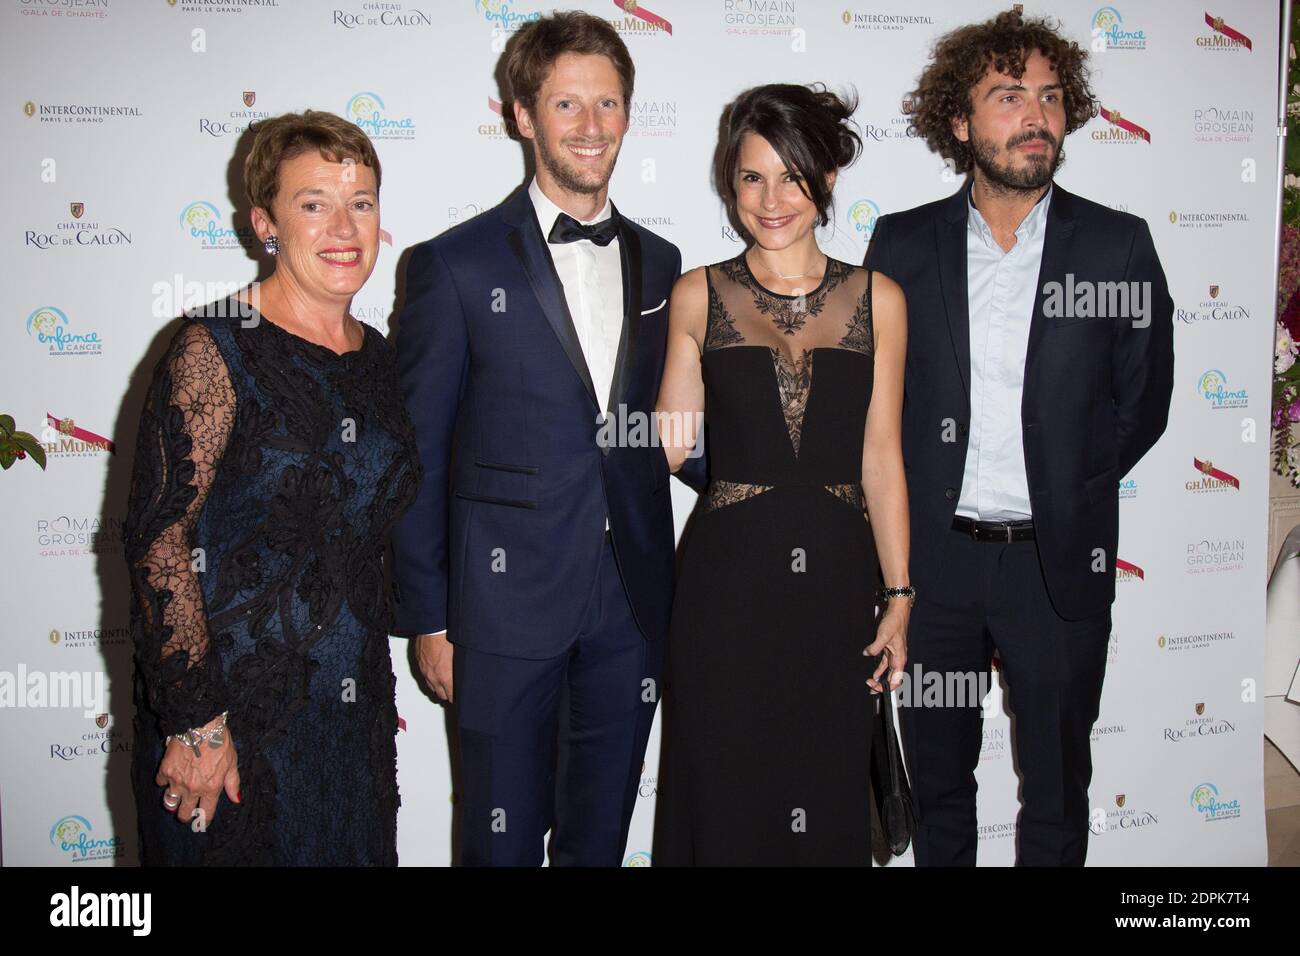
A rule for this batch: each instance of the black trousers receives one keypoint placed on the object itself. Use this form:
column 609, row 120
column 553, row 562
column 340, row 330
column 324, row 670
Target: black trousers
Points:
column 557, row 744
column 993, row 596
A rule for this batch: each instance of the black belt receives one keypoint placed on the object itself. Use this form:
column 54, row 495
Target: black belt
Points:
column 1003, row 532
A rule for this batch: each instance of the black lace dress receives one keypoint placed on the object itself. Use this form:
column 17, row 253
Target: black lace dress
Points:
column 268, row 473
column 768, row 721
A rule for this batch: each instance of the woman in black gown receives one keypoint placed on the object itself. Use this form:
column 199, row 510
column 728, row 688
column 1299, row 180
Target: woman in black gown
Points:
column 274, row 456
column 796, row 361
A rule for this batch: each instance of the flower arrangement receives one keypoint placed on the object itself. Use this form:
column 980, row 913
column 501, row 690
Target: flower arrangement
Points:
column 1286, row 392
column 1286, row 352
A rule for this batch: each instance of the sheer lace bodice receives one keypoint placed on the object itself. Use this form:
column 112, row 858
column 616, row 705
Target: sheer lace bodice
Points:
column 825, row 335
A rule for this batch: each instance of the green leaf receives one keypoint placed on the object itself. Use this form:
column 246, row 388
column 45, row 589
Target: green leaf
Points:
column 1293, row 147
column 7, row 457
column 6, row 424
column 28, row 444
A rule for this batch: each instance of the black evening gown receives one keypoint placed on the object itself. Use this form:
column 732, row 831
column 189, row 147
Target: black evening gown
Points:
column 267, row 475
column 768, row 718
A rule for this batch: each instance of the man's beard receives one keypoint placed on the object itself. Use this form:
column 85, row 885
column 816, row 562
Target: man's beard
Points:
column 1007, row 177
column 569, row 179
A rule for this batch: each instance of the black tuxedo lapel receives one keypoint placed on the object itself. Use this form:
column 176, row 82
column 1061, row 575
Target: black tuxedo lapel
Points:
column 1056, row 257
column 950, row 236
column 529, row 246
column 629, row 253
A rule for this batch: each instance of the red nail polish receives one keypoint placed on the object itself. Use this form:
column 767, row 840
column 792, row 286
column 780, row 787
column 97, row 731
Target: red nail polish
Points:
column 239, row 796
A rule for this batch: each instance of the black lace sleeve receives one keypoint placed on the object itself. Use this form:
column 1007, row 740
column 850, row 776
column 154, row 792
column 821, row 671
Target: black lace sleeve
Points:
column 184, row 428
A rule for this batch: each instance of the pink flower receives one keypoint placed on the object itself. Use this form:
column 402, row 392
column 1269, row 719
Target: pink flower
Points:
column 1288, row 272
column 1284, row 351
column 1290, row 317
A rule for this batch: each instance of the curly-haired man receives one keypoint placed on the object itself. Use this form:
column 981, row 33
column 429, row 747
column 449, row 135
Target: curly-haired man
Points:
column 1039, row 371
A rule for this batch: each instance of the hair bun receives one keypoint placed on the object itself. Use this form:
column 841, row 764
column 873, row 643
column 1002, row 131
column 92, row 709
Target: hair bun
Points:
column 840, row 107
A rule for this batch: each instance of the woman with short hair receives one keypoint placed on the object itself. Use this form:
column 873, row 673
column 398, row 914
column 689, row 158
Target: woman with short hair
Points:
column 274, row 456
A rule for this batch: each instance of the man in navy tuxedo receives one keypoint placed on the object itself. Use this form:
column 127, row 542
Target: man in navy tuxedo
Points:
column 536, row 567
column 1039, row 371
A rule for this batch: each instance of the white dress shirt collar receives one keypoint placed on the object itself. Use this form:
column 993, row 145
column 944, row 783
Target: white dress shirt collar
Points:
column 548, row 212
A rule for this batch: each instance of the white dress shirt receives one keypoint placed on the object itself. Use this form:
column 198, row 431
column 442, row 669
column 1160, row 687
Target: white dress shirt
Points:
column 1001, row 291
column 592, row 277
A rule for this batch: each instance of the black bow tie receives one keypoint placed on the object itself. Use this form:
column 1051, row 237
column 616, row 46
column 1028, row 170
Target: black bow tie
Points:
column 568, row 229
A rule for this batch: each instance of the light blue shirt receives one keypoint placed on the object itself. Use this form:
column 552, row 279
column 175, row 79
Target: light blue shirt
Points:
column 1001, row 290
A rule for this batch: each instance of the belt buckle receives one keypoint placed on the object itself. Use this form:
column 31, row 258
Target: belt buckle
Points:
column 1008, row 527
column 974, row 528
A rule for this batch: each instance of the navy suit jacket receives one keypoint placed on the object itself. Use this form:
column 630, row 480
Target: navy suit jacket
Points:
column 1096, row 389
column 502, row 545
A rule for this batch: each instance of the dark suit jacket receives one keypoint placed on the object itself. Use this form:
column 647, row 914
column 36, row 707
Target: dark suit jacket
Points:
column 503, row 543
column 1096, row 389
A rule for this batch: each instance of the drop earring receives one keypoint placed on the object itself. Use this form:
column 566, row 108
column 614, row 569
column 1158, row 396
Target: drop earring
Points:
column 272, row 245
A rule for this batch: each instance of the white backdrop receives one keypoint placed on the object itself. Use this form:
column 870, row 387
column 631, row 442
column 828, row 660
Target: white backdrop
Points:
column 121, row 123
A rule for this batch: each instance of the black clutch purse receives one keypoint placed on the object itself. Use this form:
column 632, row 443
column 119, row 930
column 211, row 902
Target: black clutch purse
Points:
column 889, row 777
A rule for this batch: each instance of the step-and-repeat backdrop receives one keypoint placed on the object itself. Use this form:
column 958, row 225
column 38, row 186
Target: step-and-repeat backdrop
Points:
column 121, row 120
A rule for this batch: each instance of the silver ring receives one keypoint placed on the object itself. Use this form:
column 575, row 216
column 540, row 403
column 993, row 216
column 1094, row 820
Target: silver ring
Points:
column 168, row 798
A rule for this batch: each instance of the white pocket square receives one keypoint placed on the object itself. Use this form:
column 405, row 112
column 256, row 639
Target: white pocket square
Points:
column 656, row 308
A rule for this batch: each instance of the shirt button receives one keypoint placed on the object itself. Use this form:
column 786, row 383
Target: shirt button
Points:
column 950, row 493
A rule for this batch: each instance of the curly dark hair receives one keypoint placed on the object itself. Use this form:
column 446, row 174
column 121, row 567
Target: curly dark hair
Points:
column 961, row 59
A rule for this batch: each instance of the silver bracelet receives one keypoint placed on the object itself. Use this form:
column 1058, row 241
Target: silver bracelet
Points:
column 195, row 738
column 908, row 592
